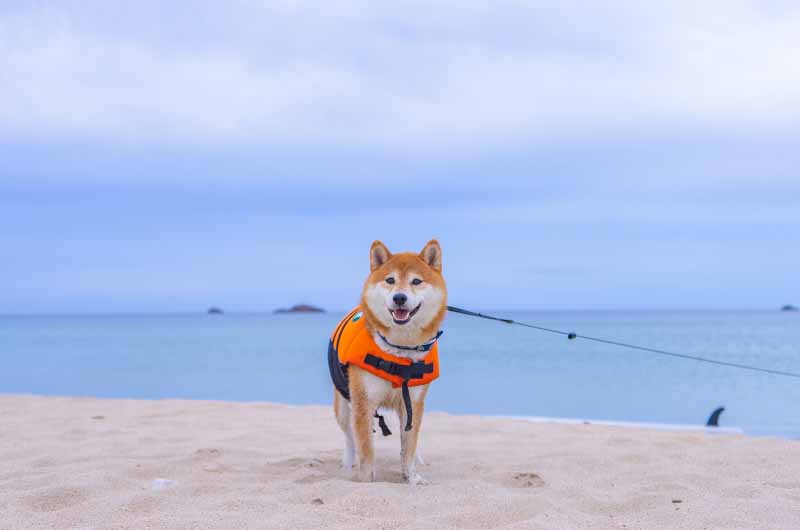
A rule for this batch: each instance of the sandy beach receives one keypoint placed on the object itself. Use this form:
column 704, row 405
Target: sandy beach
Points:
column 81, row 463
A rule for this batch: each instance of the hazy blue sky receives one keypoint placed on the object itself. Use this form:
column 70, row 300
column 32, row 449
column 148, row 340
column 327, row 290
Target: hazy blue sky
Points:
column 167, row 156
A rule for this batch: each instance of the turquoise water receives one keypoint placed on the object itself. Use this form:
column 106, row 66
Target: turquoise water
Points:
column 487, row 367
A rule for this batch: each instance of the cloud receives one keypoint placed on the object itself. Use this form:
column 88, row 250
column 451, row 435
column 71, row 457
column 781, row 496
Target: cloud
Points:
column 404, row 76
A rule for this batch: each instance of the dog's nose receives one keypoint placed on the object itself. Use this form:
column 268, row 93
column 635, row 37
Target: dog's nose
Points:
column 400, row 298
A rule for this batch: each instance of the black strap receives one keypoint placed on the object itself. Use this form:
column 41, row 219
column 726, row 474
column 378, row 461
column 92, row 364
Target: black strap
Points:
column 415, row 370
column 407, row 403
column 382, row 424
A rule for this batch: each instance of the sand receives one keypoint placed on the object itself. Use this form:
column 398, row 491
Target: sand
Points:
column 79, row 463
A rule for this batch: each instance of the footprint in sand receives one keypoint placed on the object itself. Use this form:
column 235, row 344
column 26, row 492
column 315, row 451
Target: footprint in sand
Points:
column 320, row 469
column 207, row 453
column 54, row 499
column 527, row 480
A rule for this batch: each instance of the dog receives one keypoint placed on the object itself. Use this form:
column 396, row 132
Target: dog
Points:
column 384, row 354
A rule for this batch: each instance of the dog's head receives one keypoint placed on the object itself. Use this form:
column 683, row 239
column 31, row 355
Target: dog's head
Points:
column 405, row 296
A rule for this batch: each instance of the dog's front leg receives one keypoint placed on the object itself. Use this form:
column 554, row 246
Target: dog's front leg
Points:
column 409, row 439
column 362, row 412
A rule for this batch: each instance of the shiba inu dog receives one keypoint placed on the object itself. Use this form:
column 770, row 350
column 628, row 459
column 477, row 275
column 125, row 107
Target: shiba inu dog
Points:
column 384, row 354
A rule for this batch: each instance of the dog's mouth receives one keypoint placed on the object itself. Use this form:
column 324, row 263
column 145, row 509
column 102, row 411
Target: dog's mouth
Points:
column 402, row 316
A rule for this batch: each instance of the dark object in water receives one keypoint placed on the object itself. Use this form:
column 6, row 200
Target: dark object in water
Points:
column 790, row 307
column 300, row 308
column 214, row 311
column 713, row 420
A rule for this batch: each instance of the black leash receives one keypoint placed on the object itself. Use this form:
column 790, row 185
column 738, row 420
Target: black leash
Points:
column 572, row 336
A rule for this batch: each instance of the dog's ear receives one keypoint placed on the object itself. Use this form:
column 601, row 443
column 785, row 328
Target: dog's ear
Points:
column 432, row 255
column 378, row 255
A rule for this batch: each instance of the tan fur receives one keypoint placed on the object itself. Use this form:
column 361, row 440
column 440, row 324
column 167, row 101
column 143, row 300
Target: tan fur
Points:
column 369, row 392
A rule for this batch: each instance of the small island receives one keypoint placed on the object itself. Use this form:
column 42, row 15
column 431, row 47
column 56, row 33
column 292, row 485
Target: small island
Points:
column 214, row 311
column 790, row 307
column 300, row 308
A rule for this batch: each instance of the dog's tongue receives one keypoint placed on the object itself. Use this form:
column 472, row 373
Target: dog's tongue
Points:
column 401, row 314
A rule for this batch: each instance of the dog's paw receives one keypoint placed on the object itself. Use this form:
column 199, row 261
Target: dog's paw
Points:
column 416, row 480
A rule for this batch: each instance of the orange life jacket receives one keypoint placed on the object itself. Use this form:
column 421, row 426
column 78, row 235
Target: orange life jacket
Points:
column 352, row 343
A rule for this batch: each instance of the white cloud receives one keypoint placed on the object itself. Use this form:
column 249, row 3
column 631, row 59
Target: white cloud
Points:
column 404, row 75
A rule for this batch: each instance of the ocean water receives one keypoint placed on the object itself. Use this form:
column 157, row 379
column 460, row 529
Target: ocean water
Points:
column 487, row 367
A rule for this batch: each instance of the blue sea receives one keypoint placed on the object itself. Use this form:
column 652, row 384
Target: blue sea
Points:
column 487, row 367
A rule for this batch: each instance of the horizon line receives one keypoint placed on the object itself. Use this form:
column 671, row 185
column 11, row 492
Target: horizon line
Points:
column 242, row 312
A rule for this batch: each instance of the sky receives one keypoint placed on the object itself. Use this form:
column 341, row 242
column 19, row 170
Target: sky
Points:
column 170, row 156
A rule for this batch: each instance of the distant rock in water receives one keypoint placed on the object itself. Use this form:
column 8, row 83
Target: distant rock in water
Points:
column 300, row 308
column 214, row 311
column 790, row 307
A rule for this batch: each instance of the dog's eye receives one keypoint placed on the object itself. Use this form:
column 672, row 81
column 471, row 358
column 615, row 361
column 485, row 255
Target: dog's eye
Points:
column 416, row 281
column 390, row 280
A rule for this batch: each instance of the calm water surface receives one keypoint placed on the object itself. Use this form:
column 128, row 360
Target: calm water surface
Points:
column 487, row 368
